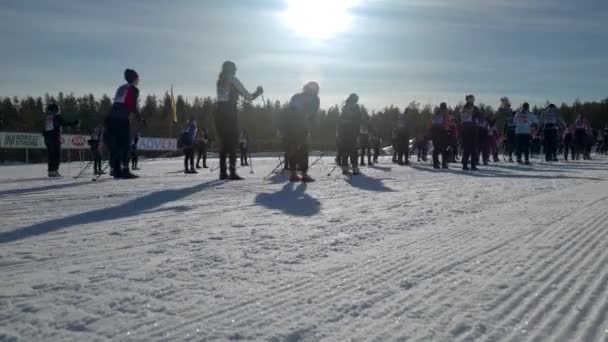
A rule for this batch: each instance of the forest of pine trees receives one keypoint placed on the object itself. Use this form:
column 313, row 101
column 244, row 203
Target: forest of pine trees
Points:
column 261, row 121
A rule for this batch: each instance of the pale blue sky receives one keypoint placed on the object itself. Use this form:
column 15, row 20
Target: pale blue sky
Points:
column 393, row 51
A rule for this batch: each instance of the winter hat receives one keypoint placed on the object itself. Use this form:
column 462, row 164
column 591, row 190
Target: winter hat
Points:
column 52, row 108
column 470, row 99
column 526, row 105
column 352, row 98
column 311, row 88
column 131, row 75
column 228, row 67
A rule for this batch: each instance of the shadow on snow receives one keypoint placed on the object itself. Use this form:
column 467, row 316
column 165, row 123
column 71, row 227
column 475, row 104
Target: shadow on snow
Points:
column 132, row 208
column 292, row 200
column 367, row 183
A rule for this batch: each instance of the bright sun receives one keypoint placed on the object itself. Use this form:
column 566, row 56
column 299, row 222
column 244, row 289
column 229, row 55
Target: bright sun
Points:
column 318, row 19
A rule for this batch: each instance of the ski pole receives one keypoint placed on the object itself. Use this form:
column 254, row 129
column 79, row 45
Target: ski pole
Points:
column 332, row 170
column 281, row 162
column 83, row 170
column 251, row 164
column 317, row 160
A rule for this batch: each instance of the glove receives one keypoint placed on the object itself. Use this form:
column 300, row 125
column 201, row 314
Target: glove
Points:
column 259, row 91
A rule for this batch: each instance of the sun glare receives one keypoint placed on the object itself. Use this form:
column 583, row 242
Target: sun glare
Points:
column 318, row 19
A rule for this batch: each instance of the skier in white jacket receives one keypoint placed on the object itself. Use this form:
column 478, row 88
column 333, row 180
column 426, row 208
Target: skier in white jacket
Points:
column 524, row 119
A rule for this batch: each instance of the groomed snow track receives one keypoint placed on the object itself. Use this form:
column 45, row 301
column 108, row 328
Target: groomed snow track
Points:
column 508, row 253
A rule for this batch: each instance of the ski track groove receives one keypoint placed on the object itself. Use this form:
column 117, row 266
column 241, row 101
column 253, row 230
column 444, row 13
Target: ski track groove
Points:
column 549, row 276
column 383, row 278
column 426, row 297
column 338, row 285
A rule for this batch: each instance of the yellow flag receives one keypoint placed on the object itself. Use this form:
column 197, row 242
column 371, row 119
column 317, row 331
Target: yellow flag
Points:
column 173, row 106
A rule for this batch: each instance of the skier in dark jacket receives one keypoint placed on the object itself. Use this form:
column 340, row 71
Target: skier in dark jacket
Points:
column 468, row 122
column 134, row 152
column 375, row 143
column 510, row 137
column 52, row 137
column 581, row 126
column 229, row 90
column 403, row 140
column 439, row 135
column 483, row 135
column 551, row 121
column 187, row 145
column 202, row 145
column 348, row 130
column 365, row 142
column 94, row 144
column 295, row 129
column 117, row 125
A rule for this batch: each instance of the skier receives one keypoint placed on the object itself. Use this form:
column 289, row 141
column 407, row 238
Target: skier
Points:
column 589, row 142
column 295, row 129
column 483, row 133
column 94, row 144
column 524, row 120
column 364, row 142
column 422, row 146
column 395, row 144
column 348, row 130
column 134, row 155
column 244, row 147
column 439, row 135
column 403, row 139
column 52, row 137
column 568, row 145
column 600, row 142
column 375, row 143
column 580, row 135
column 229, row 89
column 452, row 132
column 510, row 137
column 202, row 144
column 468, row 122
column 551, row 122
column 186, row 142
column 493, row 139
column 117, row 125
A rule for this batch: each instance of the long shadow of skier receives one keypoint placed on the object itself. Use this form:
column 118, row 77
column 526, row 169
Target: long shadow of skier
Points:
column 364, row 182
column 44, row 188
column 132, row 208
column 291, row 200
column 381, row 168
column 488, row 173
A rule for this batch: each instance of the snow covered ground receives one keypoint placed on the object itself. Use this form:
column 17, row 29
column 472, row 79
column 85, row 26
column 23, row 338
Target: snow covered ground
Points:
column 401, row 253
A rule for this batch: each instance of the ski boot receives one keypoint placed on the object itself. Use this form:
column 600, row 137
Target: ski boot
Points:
column 356, row 171
column 294, row 177
column 126, row 174
column 307, row 179
column 235, row 177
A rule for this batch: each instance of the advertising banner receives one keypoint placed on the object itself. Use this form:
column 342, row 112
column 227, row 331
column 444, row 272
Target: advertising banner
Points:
column 76, row 142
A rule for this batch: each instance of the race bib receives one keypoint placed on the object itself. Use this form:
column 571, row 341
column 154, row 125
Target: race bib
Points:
column 466, row 115
column 49, row 123
column 438, row 120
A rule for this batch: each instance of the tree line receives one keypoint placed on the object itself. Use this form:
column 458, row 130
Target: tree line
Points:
column 25, row 114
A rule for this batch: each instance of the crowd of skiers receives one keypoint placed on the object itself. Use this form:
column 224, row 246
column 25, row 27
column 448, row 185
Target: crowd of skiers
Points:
column 469, row 134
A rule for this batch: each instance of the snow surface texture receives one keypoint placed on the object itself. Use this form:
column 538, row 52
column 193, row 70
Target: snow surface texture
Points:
column 509, row 253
